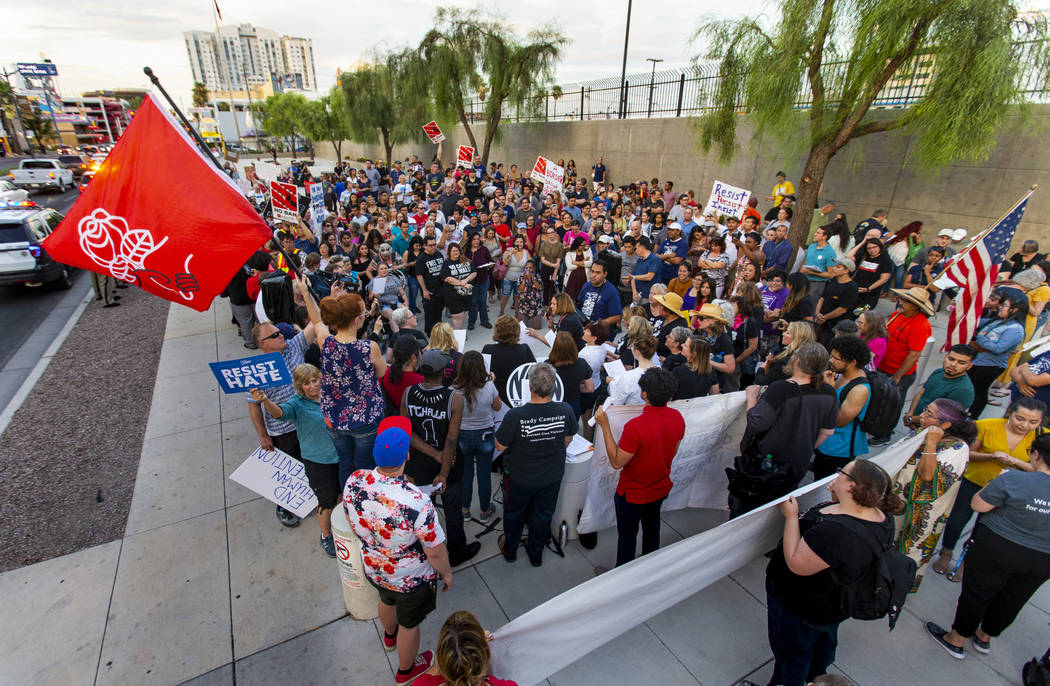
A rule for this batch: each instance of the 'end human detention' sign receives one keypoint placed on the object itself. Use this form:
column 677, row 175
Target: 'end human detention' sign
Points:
column 260, row 371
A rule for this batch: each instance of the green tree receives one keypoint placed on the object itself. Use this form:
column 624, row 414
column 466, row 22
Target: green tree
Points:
column 200, row 95
column 384, row 102
column 283, row 115
column 328, row 119
column 223, row 106
column 467, row 52
column 8, row 102
column 556, row 93
column 41, row 126
column 844, row 53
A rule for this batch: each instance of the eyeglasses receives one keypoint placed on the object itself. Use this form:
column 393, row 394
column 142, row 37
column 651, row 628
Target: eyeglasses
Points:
column 275, row 334
column 846, row 474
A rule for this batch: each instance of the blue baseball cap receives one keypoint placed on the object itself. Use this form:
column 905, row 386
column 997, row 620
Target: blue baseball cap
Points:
column 392, row 441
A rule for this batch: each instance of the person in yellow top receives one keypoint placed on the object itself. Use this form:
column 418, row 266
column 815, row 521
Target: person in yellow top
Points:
column 1001, row 444
column 783, row 187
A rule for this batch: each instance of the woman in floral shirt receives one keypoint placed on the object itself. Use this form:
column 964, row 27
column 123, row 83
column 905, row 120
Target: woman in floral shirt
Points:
column 351, row 397
column 530, row 296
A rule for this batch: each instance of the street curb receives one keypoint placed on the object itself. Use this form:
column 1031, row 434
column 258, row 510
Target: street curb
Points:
column 38, row 370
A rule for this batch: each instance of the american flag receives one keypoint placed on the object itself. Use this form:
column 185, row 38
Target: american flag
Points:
column 973, row 271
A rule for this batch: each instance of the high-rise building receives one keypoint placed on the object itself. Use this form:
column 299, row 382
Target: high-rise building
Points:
column 251, row 56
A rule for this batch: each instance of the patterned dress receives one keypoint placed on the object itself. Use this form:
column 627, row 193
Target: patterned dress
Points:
column 350, row 394
column 530, row 297
column 928, row 502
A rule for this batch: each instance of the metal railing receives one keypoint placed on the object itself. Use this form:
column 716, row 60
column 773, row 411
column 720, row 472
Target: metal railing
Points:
column 692, row 91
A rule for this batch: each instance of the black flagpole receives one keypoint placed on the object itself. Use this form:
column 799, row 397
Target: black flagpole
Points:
column 207, row 151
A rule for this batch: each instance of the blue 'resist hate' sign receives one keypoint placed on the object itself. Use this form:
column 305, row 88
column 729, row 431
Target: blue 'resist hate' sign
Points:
column 260, row 371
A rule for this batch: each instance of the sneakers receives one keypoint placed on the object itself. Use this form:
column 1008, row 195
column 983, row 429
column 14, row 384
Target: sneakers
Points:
column 390, row 642
column 328, row 545
column 487, row 325
column 467, row 553
column 485, row 516
column 421, row 665
column 983, row 647
column 879, row 440
column 287, row 518
column 938, row 634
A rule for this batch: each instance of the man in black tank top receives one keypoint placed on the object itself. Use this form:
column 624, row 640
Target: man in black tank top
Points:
column 436, row 412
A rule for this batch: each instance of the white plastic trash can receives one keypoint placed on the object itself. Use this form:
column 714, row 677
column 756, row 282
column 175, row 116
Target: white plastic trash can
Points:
column 362, row 599
column 571, row 497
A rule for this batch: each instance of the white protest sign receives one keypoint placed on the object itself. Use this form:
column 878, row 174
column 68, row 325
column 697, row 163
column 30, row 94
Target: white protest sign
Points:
column 378, row 285
column 716, row 424
column 728, row 200
column 267, row 171
column 548, row 173
column 523, row 335
column 278, row 477
column 317, row 210
column 550, row 336
column 461, row 339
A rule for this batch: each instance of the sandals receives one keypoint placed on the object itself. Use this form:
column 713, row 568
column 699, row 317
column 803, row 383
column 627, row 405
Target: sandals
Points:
column 943, row 562
column 956, row 576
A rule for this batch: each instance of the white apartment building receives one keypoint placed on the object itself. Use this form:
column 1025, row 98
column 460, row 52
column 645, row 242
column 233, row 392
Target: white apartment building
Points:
column 251, row 55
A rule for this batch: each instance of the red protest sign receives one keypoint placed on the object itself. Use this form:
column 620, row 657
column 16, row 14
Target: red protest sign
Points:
column 465, row 156
column 539, row 170
column 285, row 199
column 433, row 132
column 171, row 223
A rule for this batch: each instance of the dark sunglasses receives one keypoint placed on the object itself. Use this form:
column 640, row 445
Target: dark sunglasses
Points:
column 275, row 334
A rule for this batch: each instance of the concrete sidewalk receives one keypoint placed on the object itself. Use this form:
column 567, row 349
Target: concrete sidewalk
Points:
column 206, row 587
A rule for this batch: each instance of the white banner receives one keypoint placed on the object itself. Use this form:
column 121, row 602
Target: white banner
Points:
column 568, row 626
column 267, row 171
column 716, row 424
column 278, row 477
column 317, row 210
column 728, row 200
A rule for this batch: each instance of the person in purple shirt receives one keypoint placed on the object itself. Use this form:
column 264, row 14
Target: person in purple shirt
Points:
column 773, row 296
column 778, row 252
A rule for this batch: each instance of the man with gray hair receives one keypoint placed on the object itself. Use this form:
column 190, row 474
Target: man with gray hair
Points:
column 534, row 437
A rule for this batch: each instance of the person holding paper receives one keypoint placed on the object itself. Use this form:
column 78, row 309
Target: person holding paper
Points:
column 644, row 453
column 388, row 291
column 624, row 388
column 480, row 403
column 482, row 260
column 402, row 545
column 508, row 352
column 320, row 461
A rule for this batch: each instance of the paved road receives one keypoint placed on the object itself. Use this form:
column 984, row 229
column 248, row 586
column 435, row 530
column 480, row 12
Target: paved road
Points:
column 22, row 309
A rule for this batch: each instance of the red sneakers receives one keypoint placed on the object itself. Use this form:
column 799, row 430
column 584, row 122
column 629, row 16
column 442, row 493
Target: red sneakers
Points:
column 390, row 642
column 421, row 665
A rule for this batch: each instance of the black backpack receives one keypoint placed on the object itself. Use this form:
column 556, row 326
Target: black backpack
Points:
column 1036, row 672
column 884, row 405
column 883, row 588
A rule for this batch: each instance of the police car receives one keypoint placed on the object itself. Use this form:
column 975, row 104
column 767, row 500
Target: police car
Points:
column 23, row 262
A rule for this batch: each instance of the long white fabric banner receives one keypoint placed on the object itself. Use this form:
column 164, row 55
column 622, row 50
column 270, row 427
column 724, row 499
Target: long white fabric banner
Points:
column 567, row 627
column 714, row 424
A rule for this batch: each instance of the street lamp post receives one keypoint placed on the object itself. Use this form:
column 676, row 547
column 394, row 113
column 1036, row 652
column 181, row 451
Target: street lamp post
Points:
column 623, row 69
column 652, row 78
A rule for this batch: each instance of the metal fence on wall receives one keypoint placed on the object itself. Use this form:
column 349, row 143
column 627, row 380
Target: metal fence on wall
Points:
column 692, row 91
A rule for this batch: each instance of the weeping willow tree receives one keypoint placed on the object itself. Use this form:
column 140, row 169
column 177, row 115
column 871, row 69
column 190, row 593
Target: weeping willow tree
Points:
column 383, row 102
column 846, row 55
column 469, row 53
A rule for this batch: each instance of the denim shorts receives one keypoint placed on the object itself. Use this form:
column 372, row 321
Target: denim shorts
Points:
column 509, row 287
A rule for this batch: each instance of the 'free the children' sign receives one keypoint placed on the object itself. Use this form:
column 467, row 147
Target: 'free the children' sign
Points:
column 260, row 371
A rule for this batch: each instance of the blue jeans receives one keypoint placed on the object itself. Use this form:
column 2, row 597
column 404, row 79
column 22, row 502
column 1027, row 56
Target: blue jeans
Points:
column 479, row 303
column 354, row 448
column 898, row 277
column 413, row 292
column 476, row 445
column 801, row 651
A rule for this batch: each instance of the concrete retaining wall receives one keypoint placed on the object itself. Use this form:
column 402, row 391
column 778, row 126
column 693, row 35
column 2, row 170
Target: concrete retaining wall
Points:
column 869, row 173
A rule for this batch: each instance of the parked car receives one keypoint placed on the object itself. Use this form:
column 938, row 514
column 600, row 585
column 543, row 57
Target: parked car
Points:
column 42, row 173
column 85, row 180
column 11, row 193
column 23, row 261
column 78, row 164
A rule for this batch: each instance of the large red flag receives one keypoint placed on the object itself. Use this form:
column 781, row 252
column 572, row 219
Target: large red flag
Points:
column 160, row 215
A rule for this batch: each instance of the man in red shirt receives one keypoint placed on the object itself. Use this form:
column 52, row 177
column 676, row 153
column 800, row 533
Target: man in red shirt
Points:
column 502, row 230
column 647, row 446
column 909, row 329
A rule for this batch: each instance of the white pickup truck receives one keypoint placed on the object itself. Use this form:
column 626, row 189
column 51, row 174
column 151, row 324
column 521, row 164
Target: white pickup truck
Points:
column 42, row 173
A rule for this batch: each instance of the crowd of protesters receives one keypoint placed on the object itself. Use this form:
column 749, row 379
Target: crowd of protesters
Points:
column 692, row 304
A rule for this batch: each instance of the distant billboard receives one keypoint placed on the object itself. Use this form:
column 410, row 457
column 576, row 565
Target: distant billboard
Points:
column 37, row 69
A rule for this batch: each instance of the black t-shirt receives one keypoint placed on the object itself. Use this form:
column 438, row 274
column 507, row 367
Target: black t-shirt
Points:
column 870, row 269
column 662, row 329
column 535, row 437
column 505, row 359
column 430, row 411
column 803, row 309
column 839, row 295
column 448, row 203
column 673, row 360
column 787, row 422
column 818, row 598
column 473, row 188
column 429, row 267
column 721, row 349
column 691, row 384
column 572, row 324
column 457, row 270
column 434, row 181
column 572, row 375
column 745, row 332
column 1017, row 263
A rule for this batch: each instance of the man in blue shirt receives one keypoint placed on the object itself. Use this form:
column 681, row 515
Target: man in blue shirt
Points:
column 672, row 252
column 778, row 252
column 646, row 270
column 687, row 220
column 599, row 301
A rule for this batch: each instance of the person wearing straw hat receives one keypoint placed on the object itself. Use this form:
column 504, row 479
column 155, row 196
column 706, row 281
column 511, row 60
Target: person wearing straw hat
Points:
column 909, row 329
column 712, row 325
column 667, row 314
